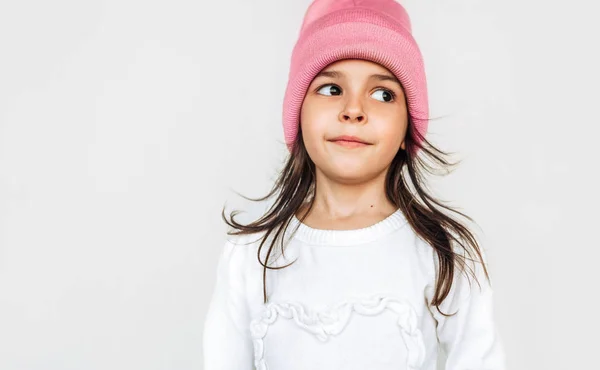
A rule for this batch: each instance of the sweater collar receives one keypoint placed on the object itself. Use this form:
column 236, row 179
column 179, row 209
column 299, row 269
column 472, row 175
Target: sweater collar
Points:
column 364, row 235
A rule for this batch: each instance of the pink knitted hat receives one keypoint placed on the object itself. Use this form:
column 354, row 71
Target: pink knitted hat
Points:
column 374, row 30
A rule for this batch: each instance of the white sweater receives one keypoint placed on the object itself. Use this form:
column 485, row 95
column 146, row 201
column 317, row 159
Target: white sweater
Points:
column 354, row 299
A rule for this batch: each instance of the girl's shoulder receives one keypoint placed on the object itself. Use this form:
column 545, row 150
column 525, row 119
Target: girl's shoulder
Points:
column 241, row 250
column 242, row 243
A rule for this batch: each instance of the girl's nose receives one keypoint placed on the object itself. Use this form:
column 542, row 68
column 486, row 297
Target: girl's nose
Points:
column 353, row 113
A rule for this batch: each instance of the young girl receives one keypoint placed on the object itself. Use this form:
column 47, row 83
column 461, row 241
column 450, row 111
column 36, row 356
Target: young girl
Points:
column 365, row 271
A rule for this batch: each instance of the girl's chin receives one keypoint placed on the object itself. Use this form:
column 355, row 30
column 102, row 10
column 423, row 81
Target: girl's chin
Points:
column 350, row 169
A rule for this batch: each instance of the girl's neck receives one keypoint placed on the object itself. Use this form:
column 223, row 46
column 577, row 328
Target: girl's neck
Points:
column 344, row 206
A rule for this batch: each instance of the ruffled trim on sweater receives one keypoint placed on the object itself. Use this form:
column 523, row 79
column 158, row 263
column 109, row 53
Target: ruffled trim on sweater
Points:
column 330, row 322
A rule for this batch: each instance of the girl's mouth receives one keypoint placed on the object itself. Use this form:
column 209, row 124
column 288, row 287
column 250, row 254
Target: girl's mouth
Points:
column 350, row 143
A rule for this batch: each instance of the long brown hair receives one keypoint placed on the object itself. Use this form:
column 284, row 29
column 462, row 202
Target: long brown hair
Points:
column 295, row 186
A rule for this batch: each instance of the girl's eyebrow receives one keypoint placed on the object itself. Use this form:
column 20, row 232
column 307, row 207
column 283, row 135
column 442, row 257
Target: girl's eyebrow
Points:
column 332, row 74
column 386, row 77
column 377, row 76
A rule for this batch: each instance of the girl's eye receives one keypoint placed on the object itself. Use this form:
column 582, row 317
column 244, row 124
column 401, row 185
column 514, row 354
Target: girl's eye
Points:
column 331, row 89
column 386, row 95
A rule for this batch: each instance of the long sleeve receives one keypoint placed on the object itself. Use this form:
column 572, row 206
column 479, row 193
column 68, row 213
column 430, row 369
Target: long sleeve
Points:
column 227, row 344
column 470, row 339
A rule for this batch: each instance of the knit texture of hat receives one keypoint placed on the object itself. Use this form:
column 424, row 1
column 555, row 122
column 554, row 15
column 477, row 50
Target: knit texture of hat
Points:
column 375, row 30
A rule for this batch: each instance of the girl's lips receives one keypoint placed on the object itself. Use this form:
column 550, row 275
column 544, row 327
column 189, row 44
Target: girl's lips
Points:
column 349, row 144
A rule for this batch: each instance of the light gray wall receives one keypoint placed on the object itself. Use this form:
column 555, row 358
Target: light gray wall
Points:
column 125, row 125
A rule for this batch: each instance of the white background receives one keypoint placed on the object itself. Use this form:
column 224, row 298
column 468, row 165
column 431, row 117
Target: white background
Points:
column 126, row 125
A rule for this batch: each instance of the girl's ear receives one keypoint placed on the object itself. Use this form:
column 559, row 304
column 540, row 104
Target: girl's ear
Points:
column 403, row 145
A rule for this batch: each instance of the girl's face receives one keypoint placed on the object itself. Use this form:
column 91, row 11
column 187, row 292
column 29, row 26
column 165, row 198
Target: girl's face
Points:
column 356, row 98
